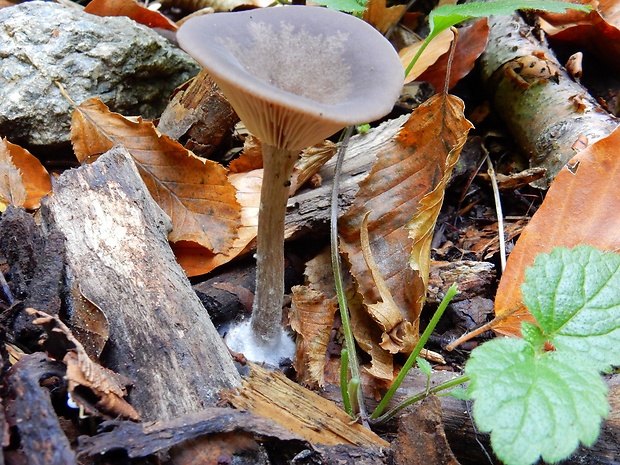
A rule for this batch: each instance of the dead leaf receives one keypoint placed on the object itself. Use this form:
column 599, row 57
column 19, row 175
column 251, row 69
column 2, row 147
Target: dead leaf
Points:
column 408, row 179
column 580, row 208
column 380, row 16
column 597, row 31
column 88, row 322
column 470, row 44
column 23, row 179
column 437, row 48
column 386, row 312
column 85, row 378
column 250, row 159
column 312, row 318
column 195, row 193
column 130, row 9
column 195, row 260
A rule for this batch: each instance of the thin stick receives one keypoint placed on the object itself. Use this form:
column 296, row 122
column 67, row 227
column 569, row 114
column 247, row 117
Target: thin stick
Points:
column 499, row 213
column 481, row 329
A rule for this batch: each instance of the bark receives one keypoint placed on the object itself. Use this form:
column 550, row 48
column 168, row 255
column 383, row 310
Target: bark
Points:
column 31, row 416
column 549, row 114
column 116, row 243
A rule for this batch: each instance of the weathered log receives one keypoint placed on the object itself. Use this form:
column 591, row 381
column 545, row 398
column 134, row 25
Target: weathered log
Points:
column 117, row 249
column 549, row 114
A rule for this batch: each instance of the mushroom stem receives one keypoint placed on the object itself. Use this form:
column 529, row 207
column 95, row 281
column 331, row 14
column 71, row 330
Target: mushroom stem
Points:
column 278, row 166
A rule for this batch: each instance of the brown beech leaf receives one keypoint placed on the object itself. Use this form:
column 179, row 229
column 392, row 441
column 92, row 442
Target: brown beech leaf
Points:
column 382, row 17
column 581, row 207
column 131, row 9
column 196, row 260
column 470, row 44
column 107, row 387
column 312, row 318
column 597, row 31
column 23, row 179
column 435, row 50
column 404, row 192
column 195, row 193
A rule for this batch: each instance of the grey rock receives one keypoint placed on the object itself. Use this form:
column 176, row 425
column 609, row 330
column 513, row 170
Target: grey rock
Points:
column 130, row 67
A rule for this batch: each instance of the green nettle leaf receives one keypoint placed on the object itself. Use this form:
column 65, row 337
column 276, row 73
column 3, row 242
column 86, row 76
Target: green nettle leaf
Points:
column 534, row 403
column 538, row 402
column 446, row 16
column 575, row 297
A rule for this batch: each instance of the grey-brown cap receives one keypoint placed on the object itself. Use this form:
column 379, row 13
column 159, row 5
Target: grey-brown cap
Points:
column 296, row 74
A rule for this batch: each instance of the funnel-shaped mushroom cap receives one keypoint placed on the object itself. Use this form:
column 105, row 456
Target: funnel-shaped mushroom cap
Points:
column 296, row 74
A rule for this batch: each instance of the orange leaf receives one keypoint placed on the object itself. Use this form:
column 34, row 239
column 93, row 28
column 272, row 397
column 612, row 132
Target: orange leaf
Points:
column 382, row 17
column 470, row 44
column 597, row 31
column 24, row 179
column 408, row 179
column 132, row 10
column 581, row 207
column 435, row 50
column 195, row 193
column 248, row 185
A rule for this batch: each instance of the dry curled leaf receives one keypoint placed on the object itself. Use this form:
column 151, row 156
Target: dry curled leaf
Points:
column 312, row 318
column 85, row 378
column 404, row 192
column 23, row 179
column 194, row 193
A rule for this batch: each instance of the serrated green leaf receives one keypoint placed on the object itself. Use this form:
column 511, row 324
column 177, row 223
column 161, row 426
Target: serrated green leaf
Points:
column 575, row 297
column 348, row 6
column 424, row 366
column 534, row 404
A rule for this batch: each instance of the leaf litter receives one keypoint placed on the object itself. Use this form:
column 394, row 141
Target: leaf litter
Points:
column 401, row 231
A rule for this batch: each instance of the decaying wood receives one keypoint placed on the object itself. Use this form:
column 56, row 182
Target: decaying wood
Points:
column 30, row 414
column 199, row 111
column 117, row 250
column 309, row 209
column 549, row 114
column 301, row 411
column 215, row 424
column 421, row 435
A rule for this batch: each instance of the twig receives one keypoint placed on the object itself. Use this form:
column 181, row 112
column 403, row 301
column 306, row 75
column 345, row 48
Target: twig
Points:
column 499, row 212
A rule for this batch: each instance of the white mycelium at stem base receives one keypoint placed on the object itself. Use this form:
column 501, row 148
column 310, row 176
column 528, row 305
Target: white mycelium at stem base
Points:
column 295, row 75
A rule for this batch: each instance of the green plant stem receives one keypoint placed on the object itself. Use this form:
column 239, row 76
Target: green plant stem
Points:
column 337, row 270
column 427, row 41
column 344, row 381
column 416, row 351
column 422, row 395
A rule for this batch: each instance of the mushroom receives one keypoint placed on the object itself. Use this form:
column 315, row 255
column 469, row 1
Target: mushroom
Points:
column 295, row 75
